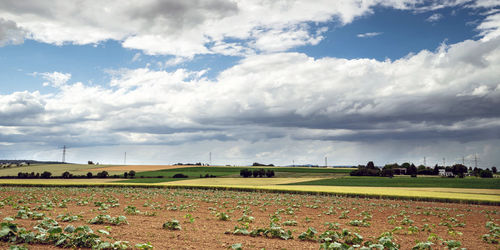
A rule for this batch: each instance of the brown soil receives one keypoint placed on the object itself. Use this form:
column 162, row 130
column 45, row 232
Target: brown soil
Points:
column 208, row 232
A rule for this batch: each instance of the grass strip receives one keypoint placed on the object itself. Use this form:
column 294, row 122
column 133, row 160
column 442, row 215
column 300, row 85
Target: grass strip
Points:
column 406, row 181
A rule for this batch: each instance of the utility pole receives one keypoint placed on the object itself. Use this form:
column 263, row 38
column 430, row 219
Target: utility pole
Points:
column 425, row 162
column 64, row 154
column 125, row 159
column 475, row 160
column 326, row 162
column 463, row 160
column 293, row 163
column 444, row 162
column 210, row 158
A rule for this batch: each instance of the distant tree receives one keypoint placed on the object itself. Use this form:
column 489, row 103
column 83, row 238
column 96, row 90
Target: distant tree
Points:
column 435, row 171
column 66, row 175
column 245, row 173
column 405, row 165
column 270, row 173
column 391, row 166
column 458, row 169
column 476, row 171
column 181, row 175
column 255, row 173
column 103, row 174
column 89, row 175
column 421, row 168
column 46, row 175
column 125, row 175
column 412, row 170
column 365, row 171
column 370, row 165
column 262, row 172
column 494, row 169
column 486, row 174
column 131, row 174
column 90, row 163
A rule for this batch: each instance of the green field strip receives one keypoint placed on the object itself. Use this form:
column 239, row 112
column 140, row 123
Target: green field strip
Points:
column 417, row 194
column 438, row 182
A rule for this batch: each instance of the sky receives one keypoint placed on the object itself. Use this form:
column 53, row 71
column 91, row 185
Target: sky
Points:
column 282, row 82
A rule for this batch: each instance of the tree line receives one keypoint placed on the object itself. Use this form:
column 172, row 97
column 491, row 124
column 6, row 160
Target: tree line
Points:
column 256, row 173
column 389, row 170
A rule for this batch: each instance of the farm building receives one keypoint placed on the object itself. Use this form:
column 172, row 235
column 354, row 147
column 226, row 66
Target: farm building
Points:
column 443, row 172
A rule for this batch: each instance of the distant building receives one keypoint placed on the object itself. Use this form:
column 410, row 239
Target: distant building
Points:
column 399, row 171
column 443, row 172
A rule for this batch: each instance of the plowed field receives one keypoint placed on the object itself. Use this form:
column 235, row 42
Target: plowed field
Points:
column 201, row 215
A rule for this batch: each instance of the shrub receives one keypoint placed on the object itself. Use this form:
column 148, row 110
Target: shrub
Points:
column 486, row 174
column 131, row 174
column 180, row 176
column 89, row 175
column 66, row 175
column 46, row 175
column 245, row 173
column 270, row 173
column 103, row 174
column 259, row 172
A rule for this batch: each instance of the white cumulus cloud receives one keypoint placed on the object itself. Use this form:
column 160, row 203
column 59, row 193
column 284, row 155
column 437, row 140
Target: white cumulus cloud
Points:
column 54, row 79
column 10, row 33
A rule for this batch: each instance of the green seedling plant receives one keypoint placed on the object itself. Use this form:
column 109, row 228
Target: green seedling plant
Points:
column 493, row 237
column 172, row 225
column 107, row 219
column 309, row 235
column 189, row 218
column 131, row 210
column 222, row 216
column 290, row 223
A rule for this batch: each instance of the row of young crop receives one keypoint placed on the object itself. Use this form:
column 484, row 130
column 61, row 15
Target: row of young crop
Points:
column 47, row 230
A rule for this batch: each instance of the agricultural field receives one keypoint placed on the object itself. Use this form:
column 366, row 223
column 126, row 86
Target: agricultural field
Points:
column 55, row 169
column 283, row 172
column 286, row 179
column 168, row 171
column 407, row 181
column 179, row 218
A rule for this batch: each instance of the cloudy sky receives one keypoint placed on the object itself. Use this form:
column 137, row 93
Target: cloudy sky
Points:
column 268, row 81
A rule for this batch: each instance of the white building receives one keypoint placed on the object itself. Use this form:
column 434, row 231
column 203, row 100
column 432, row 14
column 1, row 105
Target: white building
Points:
column 443, row 172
